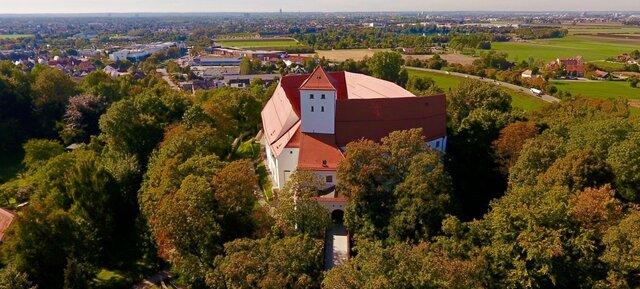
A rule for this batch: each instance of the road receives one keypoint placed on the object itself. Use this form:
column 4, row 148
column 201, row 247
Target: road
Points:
column 336, row 247
column 545, row 97
column 167, row 78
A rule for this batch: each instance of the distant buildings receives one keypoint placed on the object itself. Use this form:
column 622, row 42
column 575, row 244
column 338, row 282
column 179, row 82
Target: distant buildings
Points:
column 245, row 80
column 216, row 61
column 255, row 54
column 140, row 52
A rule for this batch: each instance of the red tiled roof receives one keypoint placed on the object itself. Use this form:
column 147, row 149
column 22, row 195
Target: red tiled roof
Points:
column 294, row 142
column 377, row 117
column 319, row 80
column 366, row 107
column 6, row 219
column 318, row 152
column 292, row 83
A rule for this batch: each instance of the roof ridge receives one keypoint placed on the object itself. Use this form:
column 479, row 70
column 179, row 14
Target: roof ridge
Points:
column 318, row 79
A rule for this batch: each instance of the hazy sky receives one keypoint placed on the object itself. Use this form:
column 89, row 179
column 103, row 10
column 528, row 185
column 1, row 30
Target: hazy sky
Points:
column 87, row 6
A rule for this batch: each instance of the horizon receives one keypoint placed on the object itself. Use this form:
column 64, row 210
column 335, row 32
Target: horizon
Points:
column 291, row 6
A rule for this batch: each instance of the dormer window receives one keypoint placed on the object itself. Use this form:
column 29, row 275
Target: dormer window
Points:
column 322, row 97
column 310, row 96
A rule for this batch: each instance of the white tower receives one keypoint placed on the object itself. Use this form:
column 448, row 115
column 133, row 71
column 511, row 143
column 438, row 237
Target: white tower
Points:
column 318, row 103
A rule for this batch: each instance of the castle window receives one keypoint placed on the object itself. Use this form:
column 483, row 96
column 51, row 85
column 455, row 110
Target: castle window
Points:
column 329, row 179
column 312, row 108
column 322, row 108
column 322, row 96
column 310, row 96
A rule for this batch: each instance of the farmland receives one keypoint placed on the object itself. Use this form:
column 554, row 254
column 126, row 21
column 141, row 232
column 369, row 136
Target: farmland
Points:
column 599, row 89
column 259, row 43
column 450, row 82
column 590, row 48
column 344, row 54
column 14, row 36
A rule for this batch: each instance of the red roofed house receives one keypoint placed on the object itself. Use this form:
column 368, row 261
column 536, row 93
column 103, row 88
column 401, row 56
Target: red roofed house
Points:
column 6, row 219
column 311, row 118
column 572, row 66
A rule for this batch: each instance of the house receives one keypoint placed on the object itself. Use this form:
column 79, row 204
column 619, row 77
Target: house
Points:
column 6, row 219
column 571, row 66
column 311, row 118
column 601, row 74
column 527, row 74
column 113, row 72
column 209, row 72
column 624, row 58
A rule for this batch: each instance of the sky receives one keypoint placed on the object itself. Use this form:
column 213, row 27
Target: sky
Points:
column 115, row 6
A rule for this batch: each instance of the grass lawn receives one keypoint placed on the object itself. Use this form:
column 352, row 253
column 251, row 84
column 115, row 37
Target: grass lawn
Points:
column 608, row 65
column 450, row 82
column 599, row 89
column 259, row 43
column 548, row 49
column 14, row 36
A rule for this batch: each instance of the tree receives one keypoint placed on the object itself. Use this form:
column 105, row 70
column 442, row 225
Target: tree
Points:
column 379, row 179
column 51, row 91
column 291, row 262
column 622, row 253
column 81, row 118
column 297, row 211
column 77, row 275
column 10, row 278
column 194, row 203
column 245, row 66
column 422, row 86
column 423, row 199
column 135, row 125
column 597, row 209
column 474, row 94
column 386, row 65
column 39, row 243
column 234, row 111
column 577, row 170
column 38, row 151
column 477, row 112
column 512, row 138
column 623, row 158
column 16, row 118
column 403, row 266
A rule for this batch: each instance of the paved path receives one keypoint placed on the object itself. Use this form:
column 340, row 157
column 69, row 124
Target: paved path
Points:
column 336, row 247
column 545, row 97
column 167, row 78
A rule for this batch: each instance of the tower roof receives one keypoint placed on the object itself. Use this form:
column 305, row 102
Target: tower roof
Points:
column 318, row 80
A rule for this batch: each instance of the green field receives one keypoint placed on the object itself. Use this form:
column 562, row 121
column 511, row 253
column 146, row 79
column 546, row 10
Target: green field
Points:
column 602, row 28
column 450, row 82
column 258, row 43
column 589, row 48
column 14, row 36
column 599, row 89
column 608, row 65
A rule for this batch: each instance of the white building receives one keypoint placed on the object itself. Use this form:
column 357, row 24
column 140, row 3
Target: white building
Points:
column 311, row 118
